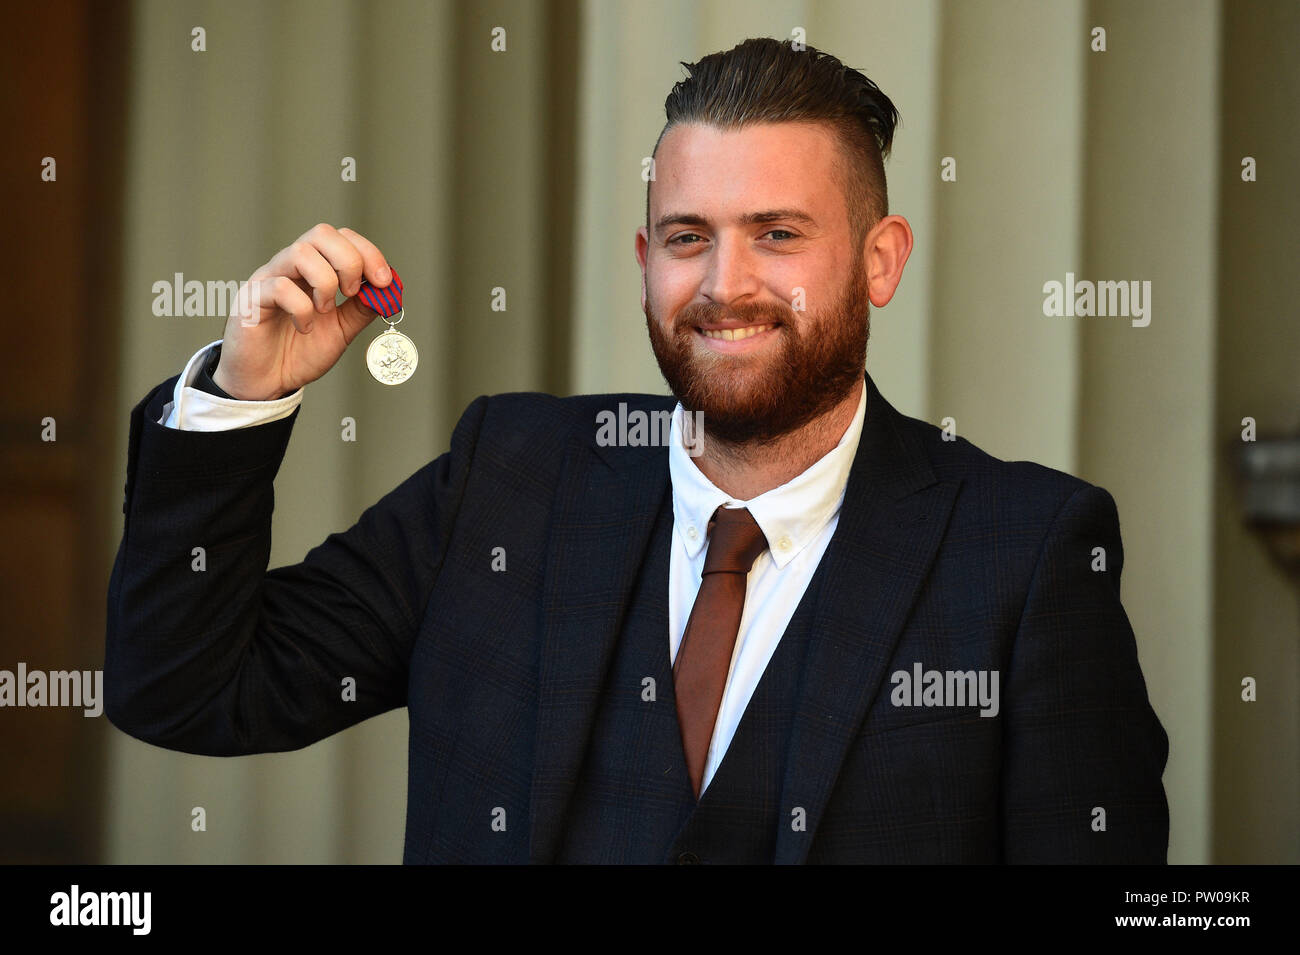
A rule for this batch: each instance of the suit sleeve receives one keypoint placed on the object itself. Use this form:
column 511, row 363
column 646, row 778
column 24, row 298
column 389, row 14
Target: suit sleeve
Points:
column 1079, row 735
column 224, row 657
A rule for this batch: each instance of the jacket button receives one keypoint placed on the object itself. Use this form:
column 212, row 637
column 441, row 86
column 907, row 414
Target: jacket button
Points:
column 688, row 858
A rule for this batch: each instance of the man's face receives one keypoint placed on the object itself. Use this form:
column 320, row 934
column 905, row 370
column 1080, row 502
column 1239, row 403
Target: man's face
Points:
column 755, row 298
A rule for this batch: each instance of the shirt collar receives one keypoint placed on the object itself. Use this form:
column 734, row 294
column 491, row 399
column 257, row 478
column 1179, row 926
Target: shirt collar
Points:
column 790, row 516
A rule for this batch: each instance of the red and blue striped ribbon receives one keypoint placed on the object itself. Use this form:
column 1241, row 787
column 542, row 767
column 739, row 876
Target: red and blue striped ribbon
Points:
column 386, row 301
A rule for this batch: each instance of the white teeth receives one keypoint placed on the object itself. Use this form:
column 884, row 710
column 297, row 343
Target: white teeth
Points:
column 735, row 334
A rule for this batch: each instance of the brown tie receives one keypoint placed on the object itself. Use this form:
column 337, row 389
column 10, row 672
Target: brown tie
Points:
column 704, row 657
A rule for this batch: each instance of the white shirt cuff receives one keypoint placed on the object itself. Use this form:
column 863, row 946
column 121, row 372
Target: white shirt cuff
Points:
column 193, row 410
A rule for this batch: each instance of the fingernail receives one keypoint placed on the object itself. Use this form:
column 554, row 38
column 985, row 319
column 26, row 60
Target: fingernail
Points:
column 249, row 321
column 384, row 274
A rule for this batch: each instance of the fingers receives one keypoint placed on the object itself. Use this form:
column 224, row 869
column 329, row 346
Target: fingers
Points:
column 303, row 260
column 320, row 264
column 377, row 271
column 259, row 299
column 343, row 256
column 329, row 260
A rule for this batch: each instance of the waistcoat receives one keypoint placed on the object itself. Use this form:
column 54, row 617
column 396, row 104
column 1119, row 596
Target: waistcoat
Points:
column 633, row 801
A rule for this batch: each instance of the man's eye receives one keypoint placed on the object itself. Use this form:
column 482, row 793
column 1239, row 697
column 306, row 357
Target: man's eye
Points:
column 781, row 235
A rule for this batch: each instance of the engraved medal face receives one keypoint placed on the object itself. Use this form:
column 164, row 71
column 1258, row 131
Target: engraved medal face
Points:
column 392, row 358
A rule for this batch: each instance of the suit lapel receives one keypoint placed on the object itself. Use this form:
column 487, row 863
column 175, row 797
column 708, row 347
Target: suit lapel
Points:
column 606, row 505
column 892, row 520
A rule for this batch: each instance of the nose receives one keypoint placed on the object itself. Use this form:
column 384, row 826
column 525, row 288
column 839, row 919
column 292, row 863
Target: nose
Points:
column 731, row 276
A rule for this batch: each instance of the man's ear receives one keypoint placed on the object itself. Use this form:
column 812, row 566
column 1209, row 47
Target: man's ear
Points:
column 642, row 247
column 885, row 252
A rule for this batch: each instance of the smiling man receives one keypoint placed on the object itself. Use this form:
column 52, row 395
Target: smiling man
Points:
column 831, row 636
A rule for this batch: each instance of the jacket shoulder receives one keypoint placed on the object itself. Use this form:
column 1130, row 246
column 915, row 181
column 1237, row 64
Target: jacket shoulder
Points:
column 525, row 425
column 1025, row 488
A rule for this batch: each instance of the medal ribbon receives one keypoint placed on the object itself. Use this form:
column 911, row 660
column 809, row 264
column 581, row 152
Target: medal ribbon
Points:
column 386, row 301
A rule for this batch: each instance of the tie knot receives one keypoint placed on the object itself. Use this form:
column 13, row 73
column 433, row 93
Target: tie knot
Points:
column 735, row 541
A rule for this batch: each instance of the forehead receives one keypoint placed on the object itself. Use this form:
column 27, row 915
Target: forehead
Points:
column 765, row 164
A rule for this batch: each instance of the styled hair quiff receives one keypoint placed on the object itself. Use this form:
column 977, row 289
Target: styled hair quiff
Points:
column 763, row 80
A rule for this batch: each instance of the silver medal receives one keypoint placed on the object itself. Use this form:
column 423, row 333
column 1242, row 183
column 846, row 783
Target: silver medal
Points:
column 392, row 356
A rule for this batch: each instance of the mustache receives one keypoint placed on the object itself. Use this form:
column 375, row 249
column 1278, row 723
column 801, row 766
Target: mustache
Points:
column 710, row 313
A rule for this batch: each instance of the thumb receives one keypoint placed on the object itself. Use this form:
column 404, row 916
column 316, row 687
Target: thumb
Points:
column 354, row 316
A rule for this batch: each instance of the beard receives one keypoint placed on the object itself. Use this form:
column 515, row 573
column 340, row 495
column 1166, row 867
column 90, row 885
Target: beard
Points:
column 755, row 399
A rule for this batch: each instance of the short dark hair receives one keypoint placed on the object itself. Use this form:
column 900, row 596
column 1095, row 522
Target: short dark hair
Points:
column 763, row 80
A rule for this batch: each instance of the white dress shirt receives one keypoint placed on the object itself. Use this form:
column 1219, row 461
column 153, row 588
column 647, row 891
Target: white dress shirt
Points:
column 798, row 519
column 193, row 410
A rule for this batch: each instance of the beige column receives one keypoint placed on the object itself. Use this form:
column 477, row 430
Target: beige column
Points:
column 1146, row 396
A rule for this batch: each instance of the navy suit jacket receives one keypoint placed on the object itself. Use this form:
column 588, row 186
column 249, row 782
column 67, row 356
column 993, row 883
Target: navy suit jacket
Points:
column 943, row 556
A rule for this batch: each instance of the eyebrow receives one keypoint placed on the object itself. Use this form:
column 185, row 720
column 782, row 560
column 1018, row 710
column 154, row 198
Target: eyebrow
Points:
column 749, row 218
